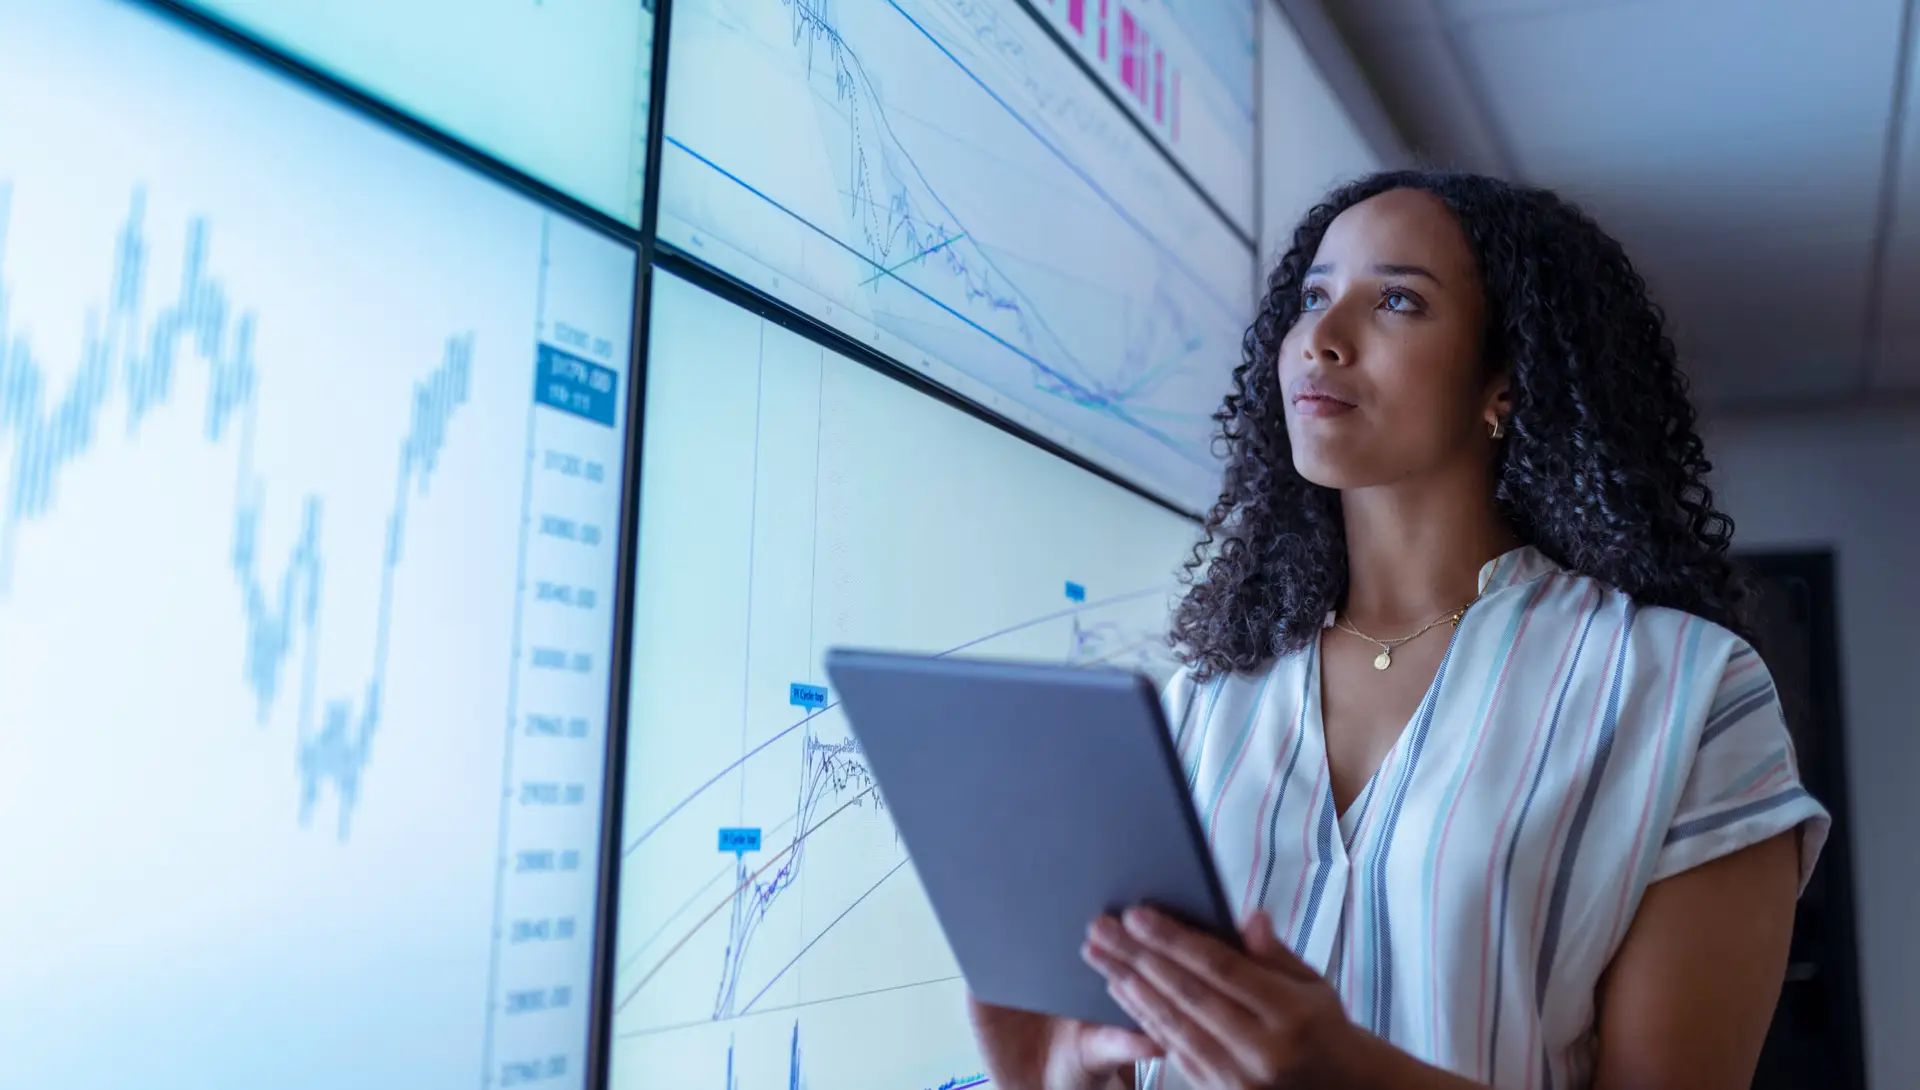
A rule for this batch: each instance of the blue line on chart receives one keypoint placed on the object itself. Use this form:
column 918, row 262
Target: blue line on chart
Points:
column 1057, row 615
column 733, row 897
column 1090, row 391
column 830, row 771
column 796, row 1080
column 1088, row 398
column 47, row 441
column 850, row 75
column 1105, row 641
column 850, row 80
column 627, row 961
column 921, row 256
column 1169, row 253
column 820, row 935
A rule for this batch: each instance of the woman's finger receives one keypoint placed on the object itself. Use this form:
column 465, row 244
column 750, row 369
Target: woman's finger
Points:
column 1233, row 974
column 1255, row 929
column 1197, row 997
column 1112, row 1046
column 1245, row 1035
column 1106, row 958
column 1264, row 946
column 1198, row 1054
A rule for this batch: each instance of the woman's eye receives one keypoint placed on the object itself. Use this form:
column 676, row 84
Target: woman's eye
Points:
column 1312, row 299
column 1398, row 301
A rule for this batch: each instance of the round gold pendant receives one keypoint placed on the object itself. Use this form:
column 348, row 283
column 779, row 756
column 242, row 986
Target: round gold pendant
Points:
column 1384, row 660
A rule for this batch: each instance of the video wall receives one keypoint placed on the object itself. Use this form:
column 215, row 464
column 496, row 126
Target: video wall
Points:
column 439, row 442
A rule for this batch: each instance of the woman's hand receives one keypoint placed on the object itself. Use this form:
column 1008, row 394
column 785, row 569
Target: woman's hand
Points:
column 1027, row 1051
column 1258, row 1020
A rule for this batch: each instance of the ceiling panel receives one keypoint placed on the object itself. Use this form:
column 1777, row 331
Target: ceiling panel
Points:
column 1736, row 147
column 1713, row 196
column 1747, row 304
column 1420, row 83
column 1710, row 117
column 1645, row 83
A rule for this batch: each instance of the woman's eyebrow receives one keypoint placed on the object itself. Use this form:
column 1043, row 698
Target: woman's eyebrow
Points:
column 1404, row 270
column 1380, row 270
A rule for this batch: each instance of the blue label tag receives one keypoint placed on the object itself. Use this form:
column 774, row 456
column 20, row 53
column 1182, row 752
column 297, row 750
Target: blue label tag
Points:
column 573, row 385
column 1076, row 592
column 739, row 841
column 802, row 695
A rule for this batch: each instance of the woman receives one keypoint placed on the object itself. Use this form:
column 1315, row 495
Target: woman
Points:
column 1498, row 784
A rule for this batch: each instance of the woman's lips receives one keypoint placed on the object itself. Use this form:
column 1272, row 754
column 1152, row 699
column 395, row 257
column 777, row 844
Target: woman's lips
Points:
column 1320, row 405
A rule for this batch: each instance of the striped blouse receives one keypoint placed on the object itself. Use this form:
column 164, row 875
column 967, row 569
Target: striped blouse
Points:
column 1573, row 748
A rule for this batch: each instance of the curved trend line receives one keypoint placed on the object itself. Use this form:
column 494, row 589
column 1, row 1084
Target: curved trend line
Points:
column 737, row 890
column 634, row 845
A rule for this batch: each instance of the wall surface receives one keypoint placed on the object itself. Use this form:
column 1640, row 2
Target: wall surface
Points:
column 1851, row 482
column 1308, row 140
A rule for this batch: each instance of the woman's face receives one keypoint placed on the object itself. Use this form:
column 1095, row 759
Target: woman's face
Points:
column 1382, row 375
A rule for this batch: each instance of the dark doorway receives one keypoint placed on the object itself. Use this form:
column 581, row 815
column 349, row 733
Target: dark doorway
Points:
column 1815, row 1042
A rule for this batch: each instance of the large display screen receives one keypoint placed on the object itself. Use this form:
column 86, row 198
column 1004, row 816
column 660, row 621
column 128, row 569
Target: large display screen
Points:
column 939, row 180
column 771, row 932
column 1185, row 70
column 311, row 455
column 557, row 88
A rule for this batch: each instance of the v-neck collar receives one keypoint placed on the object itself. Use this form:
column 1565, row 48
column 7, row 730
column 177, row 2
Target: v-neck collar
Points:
column 1518, row 565
column 1353, row 818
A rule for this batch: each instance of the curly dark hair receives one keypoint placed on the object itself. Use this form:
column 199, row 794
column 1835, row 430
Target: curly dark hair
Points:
column 1603, row 471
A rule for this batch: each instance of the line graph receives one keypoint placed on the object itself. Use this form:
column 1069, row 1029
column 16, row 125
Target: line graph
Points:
column 944, row 185
column 762, row 885
column 796, row 1077
column 144, row 353
column 1083, row 648
column 837, row 773
column 844, row 913
column 750, row 887
column 832, row 771
column 311, row 447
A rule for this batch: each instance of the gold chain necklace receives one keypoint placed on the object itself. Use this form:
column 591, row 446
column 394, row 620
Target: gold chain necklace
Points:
column 1385, row 658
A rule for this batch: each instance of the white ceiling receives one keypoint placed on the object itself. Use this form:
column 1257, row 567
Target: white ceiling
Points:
column 1757, row 157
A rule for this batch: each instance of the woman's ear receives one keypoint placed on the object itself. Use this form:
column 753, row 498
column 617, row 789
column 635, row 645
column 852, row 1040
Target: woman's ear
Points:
column 1499, row 400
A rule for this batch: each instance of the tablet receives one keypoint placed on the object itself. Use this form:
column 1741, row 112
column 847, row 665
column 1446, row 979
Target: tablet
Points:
column 1031, row 800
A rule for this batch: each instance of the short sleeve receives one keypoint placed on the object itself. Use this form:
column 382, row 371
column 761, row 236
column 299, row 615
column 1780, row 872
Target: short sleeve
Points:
column 1743, row 786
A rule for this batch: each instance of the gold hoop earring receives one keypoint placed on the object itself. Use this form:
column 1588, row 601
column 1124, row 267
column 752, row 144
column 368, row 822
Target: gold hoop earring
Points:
column 1498, row 429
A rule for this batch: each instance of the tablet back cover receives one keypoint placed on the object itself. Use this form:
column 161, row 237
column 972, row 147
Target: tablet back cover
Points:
column 1031, row 800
